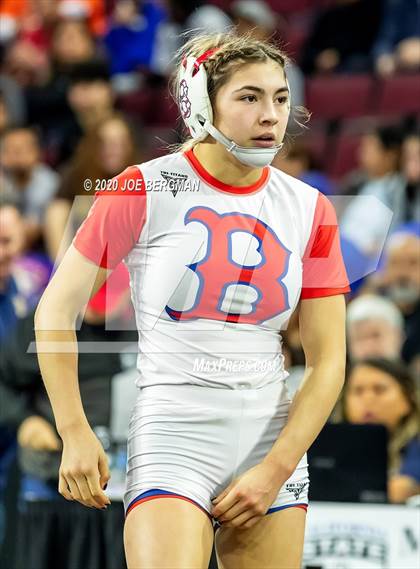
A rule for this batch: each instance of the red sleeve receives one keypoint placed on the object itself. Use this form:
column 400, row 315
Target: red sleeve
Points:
column 115, row 220
column 324, row 273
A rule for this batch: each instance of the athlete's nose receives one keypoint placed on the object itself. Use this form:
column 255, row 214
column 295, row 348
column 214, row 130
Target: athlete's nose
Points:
column 268, row 113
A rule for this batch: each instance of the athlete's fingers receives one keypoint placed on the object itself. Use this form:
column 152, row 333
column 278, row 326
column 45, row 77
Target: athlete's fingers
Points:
column 74, row 490
column 63, row 488
column 230, row 499
column 104, row 474
column 96, row 491
column 243, row 521
column 85, row 492
column 236, row 510
column 224, row 493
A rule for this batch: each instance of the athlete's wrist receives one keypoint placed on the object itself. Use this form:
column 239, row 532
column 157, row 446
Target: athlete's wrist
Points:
column 70, row 428
column 281, row 469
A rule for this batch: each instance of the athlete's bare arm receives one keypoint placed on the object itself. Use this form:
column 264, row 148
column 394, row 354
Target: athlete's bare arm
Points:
column 84, row 468
column 322, row 331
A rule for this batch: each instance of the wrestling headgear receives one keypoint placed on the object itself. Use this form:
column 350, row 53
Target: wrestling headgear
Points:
column 196, row 110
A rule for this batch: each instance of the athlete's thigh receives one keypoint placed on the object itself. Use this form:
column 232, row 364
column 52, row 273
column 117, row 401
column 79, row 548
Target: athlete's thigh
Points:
column 167, row 534
column 275, row 542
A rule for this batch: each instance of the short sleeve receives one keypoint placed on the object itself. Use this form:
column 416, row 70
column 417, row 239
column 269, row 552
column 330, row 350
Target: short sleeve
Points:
column 324, row 273
column 115, row 220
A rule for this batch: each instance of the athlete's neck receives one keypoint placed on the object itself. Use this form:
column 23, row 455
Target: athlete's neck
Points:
column 223, row 166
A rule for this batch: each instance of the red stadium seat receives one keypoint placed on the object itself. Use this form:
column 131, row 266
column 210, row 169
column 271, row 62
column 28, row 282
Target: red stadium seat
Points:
column 339, row 96
column 344, row 155
column 294, row 39
column 400, row 94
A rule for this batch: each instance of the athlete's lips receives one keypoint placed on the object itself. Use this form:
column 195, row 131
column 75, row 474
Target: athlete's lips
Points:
column 265, row 140
column 264, row 143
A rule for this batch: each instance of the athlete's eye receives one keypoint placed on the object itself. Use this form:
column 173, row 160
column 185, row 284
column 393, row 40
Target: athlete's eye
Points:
column 249, row 98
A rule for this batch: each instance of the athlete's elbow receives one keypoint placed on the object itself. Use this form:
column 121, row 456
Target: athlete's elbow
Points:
column 53, row 315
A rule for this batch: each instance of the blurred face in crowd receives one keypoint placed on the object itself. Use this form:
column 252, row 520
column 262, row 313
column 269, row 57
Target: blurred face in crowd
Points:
column 91, row 97
column 376, row 160
column 115, row 146
column 19, row 153
column 374, row 338
column 11, row 240
column 26, row 63
column 402, row 271
column 72, row 43
column 411, row 159
column 373, row 396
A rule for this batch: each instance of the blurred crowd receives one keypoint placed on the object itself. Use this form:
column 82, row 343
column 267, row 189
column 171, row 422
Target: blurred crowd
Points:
column 83, row 95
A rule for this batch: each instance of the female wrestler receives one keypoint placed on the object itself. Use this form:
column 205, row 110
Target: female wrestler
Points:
column 221, row 249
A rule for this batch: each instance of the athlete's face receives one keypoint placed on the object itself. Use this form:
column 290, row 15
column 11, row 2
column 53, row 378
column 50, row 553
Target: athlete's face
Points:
column 252, row 107
column 373, row 396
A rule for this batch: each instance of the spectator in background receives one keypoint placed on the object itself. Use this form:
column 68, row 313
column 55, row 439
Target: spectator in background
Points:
column 255, row 17
column 72, row 45
column 397, row 46
column 104, row 152
column 26, row 63
column 399, row 280
column 382, row 392
column 90, row 11
column 11, row 246
column 363, row 223
column 27, row 181
column 298, row 161
column 334, row 45
column 131, row 38
column 31, row 20
column 375, row 328
column 185, row 18
column 23, row 277
column 410, row 167
column 89, row 100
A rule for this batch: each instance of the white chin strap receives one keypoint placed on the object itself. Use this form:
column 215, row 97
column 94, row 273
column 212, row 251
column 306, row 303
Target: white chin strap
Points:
column 250, row 156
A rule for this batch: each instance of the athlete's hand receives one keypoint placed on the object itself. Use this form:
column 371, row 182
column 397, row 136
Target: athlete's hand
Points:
column 247, row 498
column 84, row 469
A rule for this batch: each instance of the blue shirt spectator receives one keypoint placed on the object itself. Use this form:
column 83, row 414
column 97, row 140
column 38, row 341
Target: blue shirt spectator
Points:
column 131, row 39
column 410, row 463
column 401, row 20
